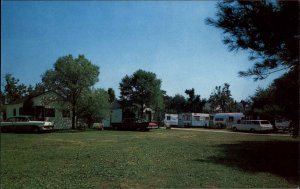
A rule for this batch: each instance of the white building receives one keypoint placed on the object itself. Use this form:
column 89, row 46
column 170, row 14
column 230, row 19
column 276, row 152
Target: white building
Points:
column 48, row 106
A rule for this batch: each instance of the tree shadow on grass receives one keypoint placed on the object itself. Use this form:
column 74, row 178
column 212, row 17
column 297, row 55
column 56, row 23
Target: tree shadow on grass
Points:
column 276, row 157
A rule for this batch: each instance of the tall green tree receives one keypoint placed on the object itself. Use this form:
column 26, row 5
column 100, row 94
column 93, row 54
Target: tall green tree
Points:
column 13, row 90
column 195, row 103
column 263, row 106
column 70, row 77
column 221, row 98
column 274, row 102
column 167, row 104
column 159, row 106
column 93, row 105
column 269, row 30
column 111, row 94
column 141, row 89
column 37, row 89
column 179, row 103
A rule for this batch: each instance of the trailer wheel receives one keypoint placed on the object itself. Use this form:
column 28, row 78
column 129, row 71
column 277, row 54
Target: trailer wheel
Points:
column 234, row 129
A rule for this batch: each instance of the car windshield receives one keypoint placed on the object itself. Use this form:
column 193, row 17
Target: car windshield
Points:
column 22, row 119
column 265, row 122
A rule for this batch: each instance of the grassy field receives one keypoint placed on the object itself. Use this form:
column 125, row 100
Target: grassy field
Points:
column 156, row 159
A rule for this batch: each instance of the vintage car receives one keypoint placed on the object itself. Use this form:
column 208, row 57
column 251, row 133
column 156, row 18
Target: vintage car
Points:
column 282, row 125
column 152, row 125
column 253, row 126
column 134, row 124
column 24, row 123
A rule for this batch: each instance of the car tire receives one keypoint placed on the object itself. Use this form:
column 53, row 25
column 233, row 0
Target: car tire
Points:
column 252, row 130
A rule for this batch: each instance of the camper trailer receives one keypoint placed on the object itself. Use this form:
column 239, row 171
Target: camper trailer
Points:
column 225, row 119
column 193, row 120
column 171, row 119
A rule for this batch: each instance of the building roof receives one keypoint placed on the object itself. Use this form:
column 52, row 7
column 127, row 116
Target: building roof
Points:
column 23, row 99
column 19, row 101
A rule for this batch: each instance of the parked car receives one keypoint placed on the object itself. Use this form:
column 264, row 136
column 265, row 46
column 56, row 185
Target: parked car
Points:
column 282, row 125
column 134, row 124
column 152, row 125
column 253, row 126
column 25, row 123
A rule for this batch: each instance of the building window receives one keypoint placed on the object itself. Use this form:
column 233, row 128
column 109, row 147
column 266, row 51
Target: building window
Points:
column 15, row 112
column 66, row 113
column 49, row 112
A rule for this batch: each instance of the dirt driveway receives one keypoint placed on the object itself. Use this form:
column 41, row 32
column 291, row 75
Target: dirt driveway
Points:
column 228, row 131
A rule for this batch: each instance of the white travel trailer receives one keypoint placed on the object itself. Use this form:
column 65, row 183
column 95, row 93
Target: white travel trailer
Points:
column 171, row 119
column 226, row 119
column 193, row 120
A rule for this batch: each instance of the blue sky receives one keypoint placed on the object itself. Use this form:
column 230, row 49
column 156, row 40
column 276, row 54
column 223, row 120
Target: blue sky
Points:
column 169, row 38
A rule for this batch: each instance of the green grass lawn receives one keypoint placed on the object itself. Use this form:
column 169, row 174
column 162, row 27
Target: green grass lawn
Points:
column 156, row 159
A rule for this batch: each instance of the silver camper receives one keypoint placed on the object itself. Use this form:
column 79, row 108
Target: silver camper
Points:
column 193, row 120
column 225, row 119
column 171, row 119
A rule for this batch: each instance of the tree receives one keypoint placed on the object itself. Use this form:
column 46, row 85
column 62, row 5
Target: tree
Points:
column 93, row 105
column 13, row 90
column 263, row 106
column 286, row 96
column 245, row 104
column 220, row 98
column 268, row 29
column 167, row 104
column 111, row 94
column 279, row 100
column 142, row 89
column 179, row 103
column 70, row 77
column 195, row 104
column 37, row 89
column 159, row 106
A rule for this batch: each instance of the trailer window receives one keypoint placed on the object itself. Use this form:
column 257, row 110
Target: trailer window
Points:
column 197, row 118
column 265, row 122
column 168, row 117
column 188, row 118
column 230, row 119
